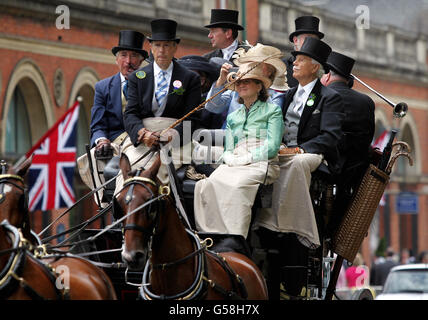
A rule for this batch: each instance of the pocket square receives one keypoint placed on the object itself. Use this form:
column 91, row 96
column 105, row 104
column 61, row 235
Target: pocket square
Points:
column 316, row 111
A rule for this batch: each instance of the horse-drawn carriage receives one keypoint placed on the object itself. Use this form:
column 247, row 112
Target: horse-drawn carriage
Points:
column 161, row 252
column 152, row 250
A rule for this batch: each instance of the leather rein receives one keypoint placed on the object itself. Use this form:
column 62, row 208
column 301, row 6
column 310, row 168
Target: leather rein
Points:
column 199, row 286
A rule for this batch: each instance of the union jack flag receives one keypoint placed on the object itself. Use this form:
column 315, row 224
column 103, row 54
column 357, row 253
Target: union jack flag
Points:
column 50, row 178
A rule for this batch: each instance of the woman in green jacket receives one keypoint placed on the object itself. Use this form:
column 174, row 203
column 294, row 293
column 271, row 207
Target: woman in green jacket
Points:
column 253, row 136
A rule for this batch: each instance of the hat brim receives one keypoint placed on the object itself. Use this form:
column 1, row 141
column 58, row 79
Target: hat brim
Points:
column 305, row 31
column 163, row 39
column 295, row 53
column 144, row 53
column 284, row 87
column 208, row 68
column 266, row 81
column 329, row 66
column 227, row 25
column 278, row 64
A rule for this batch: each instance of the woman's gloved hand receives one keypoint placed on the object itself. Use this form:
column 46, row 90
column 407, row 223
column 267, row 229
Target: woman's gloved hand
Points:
column 234, row 160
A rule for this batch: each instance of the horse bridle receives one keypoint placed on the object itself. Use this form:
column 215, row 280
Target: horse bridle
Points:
column 12, row 274
column 6, row 178
column 154, row 214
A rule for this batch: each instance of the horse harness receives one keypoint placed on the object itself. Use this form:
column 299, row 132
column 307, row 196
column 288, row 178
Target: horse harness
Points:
column 10, row 179
column 202, row 282
column 11, row 275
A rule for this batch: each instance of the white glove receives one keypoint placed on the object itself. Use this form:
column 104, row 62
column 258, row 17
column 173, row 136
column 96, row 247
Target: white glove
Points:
column 233, row 161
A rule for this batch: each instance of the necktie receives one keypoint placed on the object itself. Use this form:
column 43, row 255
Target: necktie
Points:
column 125, row 90
column 299, row 102
column 162, row 90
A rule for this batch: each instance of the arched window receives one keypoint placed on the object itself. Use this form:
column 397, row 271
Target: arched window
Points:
column 27, row 110
column 18, row 134
column 402, row 167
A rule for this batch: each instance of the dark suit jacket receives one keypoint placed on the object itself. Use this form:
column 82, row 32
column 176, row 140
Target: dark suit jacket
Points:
column 291, row 81
column 358, row 125
column 106, row 113
column 217, row 53
column 320, row 126
column 140, row 97
column 379, row 271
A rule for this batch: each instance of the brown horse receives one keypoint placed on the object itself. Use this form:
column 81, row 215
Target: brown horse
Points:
column 179, row 264
column 22, row 276
column 81, row 279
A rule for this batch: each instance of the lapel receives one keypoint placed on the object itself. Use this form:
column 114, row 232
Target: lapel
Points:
column 218, row 53
column 148, row 86
column 172, row 98
column 115, row 94
column 307, row 111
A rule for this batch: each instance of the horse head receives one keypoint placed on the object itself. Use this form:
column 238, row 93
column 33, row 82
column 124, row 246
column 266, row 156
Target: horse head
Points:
column 14, row 196
column 143, row 220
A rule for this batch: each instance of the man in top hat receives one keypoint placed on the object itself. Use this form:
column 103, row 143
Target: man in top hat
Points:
column 358, row 129
column 107, row 128
column 160, row 93
column 111, row 93
column 313, row 116
column 306, row 26
column 223, row 33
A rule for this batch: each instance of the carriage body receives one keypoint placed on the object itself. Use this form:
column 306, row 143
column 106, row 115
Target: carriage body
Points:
column 319, row 272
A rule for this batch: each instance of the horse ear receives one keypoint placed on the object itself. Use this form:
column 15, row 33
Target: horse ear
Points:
column 23, row 167
column 124, row 165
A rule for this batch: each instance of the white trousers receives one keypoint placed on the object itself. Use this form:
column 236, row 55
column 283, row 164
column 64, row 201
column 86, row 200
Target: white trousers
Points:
column 292, row 209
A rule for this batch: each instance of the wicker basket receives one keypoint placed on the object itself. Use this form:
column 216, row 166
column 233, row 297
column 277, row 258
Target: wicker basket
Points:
column 356, row 222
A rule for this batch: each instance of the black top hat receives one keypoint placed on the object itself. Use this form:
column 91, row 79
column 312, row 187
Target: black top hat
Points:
column 315, row 49
column 307, row 24
column 199, row 63
column 224, row 18
column 340, row 64
column 163, row 30
column 130, row 40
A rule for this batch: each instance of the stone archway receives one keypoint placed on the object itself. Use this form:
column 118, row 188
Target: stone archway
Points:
column 83, row 86
column 29, row 80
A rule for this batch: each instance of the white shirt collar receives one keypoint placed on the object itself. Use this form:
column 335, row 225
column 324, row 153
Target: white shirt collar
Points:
column 228, row 52
column 308, row 89
column 122, row 79
column 157, row 69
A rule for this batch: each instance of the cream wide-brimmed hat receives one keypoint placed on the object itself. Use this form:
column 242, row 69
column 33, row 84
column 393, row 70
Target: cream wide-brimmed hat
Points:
column 262, row 53
column 280, row 83
column 251, row 70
